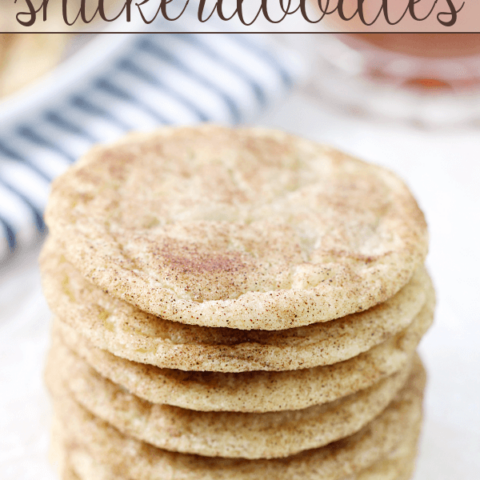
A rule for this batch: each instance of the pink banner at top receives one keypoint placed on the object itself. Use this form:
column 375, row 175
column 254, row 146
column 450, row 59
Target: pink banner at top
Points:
column 242, row 15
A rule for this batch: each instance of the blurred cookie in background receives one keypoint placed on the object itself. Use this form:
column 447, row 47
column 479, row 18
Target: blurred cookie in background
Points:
column 26, row 57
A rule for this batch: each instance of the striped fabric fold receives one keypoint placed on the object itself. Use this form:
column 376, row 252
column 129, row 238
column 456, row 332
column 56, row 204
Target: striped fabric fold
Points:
column 153, row 80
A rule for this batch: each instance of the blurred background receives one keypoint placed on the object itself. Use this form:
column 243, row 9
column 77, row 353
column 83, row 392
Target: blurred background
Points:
column 407, row 102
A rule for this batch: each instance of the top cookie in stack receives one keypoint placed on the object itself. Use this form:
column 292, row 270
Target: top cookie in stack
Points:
column 243, row 294
column 246, row 229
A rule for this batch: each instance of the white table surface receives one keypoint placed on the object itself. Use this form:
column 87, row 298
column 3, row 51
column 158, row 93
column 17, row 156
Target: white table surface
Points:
column 443, row 170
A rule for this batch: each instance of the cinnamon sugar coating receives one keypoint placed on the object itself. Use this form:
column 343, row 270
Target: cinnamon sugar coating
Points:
column 239, row 228
column 124, row 330
column 255, row 391
column 113, row 453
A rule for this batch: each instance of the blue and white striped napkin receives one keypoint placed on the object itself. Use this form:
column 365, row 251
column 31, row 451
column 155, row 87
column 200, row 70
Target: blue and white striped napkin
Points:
column 151, row 80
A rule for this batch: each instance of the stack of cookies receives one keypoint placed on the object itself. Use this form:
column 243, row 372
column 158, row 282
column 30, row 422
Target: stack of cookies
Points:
column 234, row 304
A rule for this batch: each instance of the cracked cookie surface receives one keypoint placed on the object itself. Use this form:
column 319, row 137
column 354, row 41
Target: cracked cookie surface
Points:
column 239, row 228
